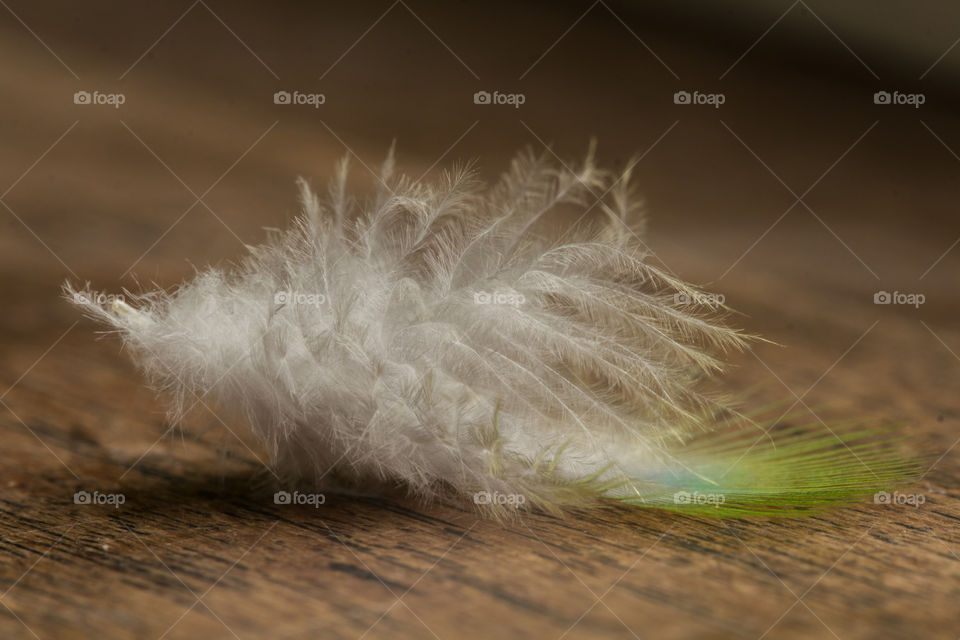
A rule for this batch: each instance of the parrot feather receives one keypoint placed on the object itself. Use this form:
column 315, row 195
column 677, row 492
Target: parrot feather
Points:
column 444, row 337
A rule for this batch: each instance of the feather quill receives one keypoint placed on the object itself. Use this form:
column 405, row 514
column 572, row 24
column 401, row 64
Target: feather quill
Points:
column 443, row 338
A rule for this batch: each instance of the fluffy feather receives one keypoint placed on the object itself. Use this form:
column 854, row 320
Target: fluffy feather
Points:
column 446, row 339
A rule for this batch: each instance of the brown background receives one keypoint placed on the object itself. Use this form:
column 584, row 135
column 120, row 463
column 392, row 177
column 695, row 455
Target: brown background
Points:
column 198, row 160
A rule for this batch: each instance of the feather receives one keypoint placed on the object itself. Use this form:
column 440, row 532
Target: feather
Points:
column 444, row 338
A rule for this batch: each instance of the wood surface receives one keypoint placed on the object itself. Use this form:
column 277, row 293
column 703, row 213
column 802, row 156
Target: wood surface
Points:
column 798, row 200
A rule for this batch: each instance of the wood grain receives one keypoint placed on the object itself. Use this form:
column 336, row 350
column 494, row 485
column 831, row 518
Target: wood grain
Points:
column 199, row 549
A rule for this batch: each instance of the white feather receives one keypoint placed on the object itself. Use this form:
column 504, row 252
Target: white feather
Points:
column 445, row 337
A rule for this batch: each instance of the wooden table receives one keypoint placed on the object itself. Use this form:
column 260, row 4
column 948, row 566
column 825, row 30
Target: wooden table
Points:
column 199, row 158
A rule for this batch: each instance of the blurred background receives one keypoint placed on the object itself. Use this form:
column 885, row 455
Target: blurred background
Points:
column 198, row 157
column 800, row 158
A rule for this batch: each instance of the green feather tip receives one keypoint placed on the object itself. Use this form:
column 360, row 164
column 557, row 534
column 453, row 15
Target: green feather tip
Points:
column 794, row 471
